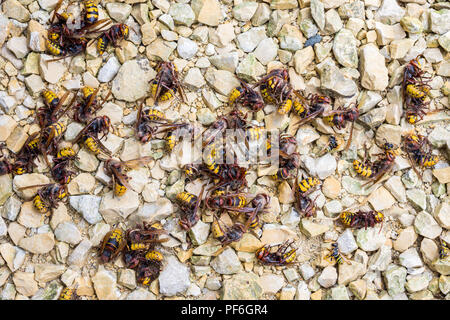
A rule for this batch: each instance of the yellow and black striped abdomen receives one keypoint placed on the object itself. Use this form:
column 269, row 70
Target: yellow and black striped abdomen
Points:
column 65, row 152
column 67, row 294
column 285, row 107
column 54, row 48
column 235, row 94
column 92, row 145
column 290, row 255
column 57, row 129
column 39, row 205
column 347, row 217
column 51, row 99
column 139, row 246
column 186, row 198
column 154, row 114
column 154, row 255
column 266, row 94
column 119, row 189
column 91, row 11
column 102, row 43
column 429, row 161
column 115, row 239
column 307, row 184
column 362, row 170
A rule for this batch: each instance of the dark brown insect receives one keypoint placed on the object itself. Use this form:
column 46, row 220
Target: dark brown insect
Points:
column 375, row 171
column 147, row 271
column 113, row 244
column 189, row 205
column 247, row 96
column 85, row 110
column 280, row 257
column 362, row 219
column 309, row 108
column 116, row 170
column 340, row 117
column 89, row 135
column 48, row 196
column 24, row 159
column 60, row 172
column 151, row 122
column 275, row 87
column 418, row 151
column 166, row 83
column 233, row 120
column 51, row 112
column 112, row 35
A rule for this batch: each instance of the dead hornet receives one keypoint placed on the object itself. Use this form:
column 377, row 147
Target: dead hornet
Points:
column 231, row 176
column 113, row 243
column 227, row 202
column 418, row 151
column 303, row 203
column 259, row 204
column 308, row 108
column 145, row 236
column 116, row 170
column 287, row 164
column 333, row 144
column 189, row 205
column 86, row 109
column 89, row 135
column 336, row 255
column 48, row 196
column 63, row 40
column 375, row 171
column 306, row 186
column 151, row 122
column 59, row 171
column 413, row 74
column 416, row 109
column 166, row 83
column 115, row 33
column 69, row 294
column 275, row 87
column 51, row 112
column 233, row 120
column 339, row 119
column 362, row 219
column 280, row 257
column 24, row 159
column 147, row 271
column 247, row 96
column 230, row 234
column 193, row 171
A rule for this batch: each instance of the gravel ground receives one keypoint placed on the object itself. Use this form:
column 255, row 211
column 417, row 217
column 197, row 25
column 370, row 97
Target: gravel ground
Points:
column 353, row 51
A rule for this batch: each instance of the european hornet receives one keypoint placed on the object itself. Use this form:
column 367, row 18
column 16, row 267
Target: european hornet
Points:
column 49, row 139
column 280, row 257
column 193, row 171
column 166, row 83
column 69, row 294
column 147, row 271
column 140, row 239
column 247, row 96
column 375, row 171
column 418, row 151
column 415, row 90
column 113, row 243
column 336, row 255
column 444, row 250
column 340, row 117
column 227, row 202
column 230, row 234
column 189, row 204
column 52, row 111
column 230, row 175
column 48, row 196
column 307, row 108
column 260, row 203
column 304, row 204
column 144, row 130
column 64, row 41
column 85, row 110
column 59, row 171
column 89, row 135
column 275, row 87
column 24, row 159
column 306, row 186
column 362, row 219
column 233, row 120
column 333, row 144
column 115, row 33
column 116, row 169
